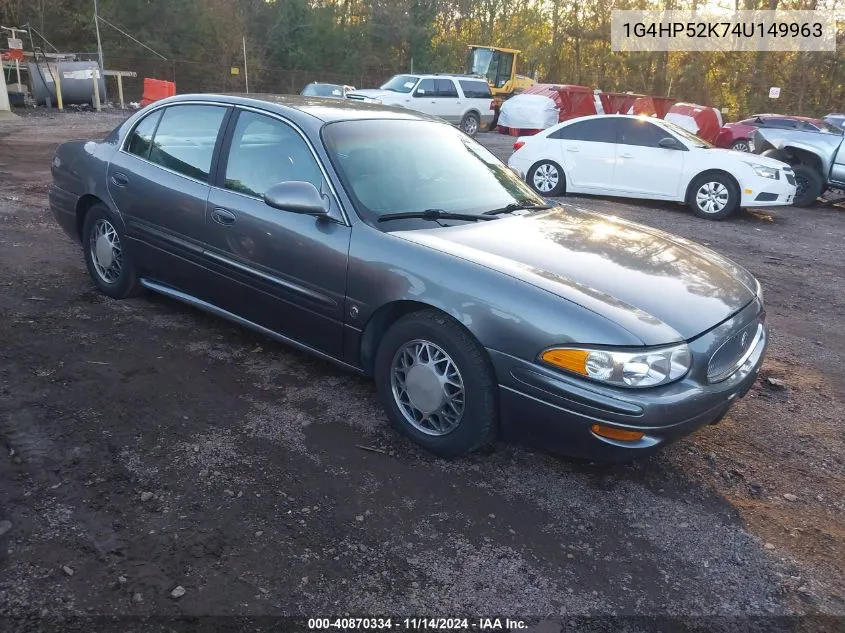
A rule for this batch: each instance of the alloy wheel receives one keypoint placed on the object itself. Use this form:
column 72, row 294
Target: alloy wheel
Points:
column 712, row 197
column 545, row 178
column 106, row 252
column 741, row 146
column 470, row 125
column 427, row 387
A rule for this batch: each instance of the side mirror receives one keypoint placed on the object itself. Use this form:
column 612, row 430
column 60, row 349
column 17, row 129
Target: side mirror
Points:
column 419, row 93
column 669, row 143
column 296, row 196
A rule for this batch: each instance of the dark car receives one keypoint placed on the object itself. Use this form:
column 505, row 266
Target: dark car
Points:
column 330, row 91
column 739, row 135
column 836, row 119
column 395, row 245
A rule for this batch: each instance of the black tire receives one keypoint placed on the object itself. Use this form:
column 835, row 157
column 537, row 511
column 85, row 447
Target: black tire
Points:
column 721, row 207
column 741, row 146
column 125, row 282
column 809, row 185
column 470, row 124
column 550, row 167
column 477, row 425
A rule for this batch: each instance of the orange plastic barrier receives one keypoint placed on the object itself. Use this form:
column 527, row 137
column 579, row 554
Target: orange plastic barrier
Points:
column 156, row 89
column 652, row 106
column 703, row 121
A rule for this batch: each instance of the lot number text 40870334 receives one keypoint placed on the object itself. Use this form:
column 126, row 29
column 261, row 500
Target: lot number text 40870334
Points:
column 417, row 624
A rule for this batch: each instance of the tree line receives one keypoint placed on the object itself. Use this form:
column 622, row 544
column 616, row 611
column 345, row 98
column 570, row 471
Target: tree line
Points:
column 363, row 42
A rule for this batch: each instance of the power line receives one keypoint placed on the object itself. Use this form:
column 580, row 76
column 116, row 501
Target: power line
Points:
column 122, row 32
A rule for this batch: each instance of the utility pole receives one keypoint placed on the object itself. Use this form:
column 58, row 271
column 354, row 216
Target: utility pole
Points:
column 99, row 42
column 246, row 69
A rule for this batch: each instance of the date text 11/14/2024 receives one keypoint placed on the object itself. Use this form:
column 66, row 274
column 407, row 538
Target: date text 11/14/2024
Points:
column 417, row 624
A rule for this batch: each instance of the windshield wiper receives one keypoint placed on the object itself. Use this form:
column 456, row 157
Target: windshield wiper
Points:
column 432, row 214
column 519, row 206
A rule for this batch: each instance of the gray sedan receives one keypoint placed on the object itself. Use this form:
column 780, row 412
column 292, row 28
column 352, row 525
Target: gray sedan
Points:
column 398, row 247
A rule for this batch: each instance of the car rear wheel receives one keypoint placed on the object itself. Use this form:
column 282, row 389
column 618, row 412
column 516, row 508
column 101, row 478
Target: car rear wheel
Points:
column 435, row 382
column 808, row 185
column 741, row 146
column 547, row 178
column 713, row 196
column 104, row 246
column 470, row 123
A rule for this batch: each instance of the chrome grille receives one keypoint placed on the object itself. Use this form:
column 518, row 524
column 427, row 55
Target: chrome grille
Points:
column 733, row 352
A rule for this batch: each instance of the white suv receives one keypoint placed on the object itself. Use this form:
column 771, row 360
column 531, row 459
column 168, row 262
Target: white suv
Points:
column 462, row 100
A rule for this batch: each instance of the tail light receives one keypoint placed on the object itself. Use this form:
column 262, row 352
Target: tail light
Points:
column 518, row 144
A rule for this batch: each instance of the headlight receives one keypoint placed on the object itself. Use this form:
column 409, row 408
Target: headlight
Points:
column 624, row 369
column 765, row 172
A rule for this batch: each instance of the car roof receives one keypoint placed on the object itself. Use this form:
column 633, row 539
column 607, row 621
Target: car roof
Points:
column 444, row 76
column 785, row 116
column 639, row 117
column 320, row 108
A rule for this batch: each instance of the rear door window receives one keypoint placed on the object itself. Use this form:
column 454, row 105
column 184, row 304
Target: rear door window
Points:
column 185, row 139
column 476, row 89
column 594, row 130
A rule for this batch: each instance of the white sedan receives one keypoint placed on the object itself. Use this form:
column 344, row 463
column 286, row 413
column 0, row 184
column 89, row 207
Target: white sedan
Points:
column 639, row 157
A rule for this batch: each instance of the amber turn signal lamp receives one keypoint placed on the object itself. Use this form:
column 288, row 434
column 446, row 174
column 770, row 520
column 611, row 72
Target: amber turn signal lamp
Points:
column 569, row 359
column 613, row 433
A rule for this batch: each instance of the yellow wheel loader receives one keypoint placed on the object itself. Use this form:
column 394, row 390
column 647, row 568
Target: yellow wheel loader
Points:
column 498, row 67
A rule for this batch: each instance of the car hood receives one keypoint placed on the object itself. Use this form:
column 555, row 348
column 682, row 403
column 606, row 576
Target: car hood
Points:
column 818, row 143
column 659, row 287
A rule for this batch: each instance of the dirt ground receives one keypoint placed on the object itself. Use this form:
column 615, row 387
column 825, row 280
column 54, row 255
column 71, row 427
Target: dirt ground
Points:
column 148, row 446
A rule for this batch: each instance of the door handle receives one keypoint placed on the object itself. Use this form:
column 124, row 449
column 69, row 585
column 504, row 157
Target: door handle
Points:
column 119, row 179
column 626, row 155
column 572, row 149
column 223, row 217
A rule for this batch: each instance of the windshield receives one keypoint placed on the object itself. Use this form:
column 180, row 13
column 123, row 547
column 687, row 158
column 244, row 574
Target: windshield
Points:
column 407, row 166
column 688, row 136
column 478, row 61
column 401, row 83
column 323, row 90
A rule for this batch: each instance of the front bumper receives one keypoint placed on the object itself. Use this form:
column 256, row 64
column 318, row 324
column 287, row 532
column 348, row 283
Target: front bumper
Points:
column 547, row 408
column 756, row 191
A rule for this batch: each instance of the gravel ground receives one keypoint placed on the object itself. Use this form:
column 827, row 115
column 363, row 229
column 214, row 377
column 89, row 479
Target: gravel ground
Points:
column 161, row 462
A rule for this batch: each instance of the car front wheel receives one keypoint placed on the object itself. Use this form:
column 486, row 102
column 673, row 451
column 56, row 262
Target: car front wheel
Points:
column 436, row 385
column 547, row 178
column 808, row 185
column 713, row 196
column 104, row 246
column 741, row 146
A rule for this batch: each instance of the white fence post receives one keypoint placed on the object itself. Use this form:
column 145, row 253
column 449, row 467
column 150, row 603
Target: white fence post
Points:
column 4, row 93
